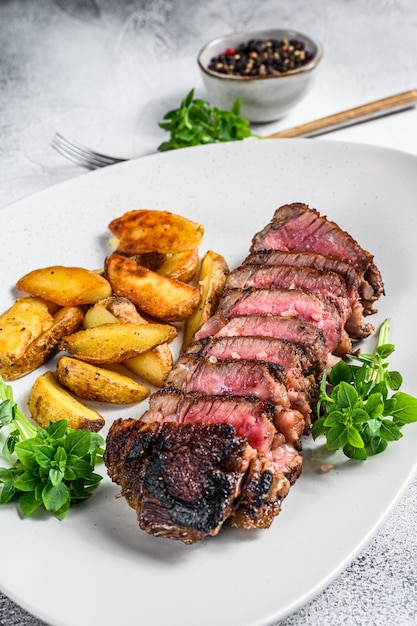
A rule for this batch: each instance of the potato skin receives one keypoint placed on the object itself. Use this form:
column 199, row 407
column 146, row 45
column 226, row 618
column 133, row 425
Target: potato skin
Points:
column 115, row 342
column 211, row 279
column 98, row 384
column 145, row 230
column 65, row 286
column 158, row 296
column 48, row 401
column 152, row 365
column 66, row 320
column 21, row 324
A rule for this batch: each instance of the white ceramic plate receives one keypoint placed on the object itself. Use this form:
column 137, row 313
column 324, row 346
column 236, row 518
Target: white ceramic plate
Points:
column 96, row 566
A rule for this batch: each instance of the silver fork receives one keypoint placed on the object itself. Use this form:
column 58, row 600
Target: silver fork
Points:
column 81, row 155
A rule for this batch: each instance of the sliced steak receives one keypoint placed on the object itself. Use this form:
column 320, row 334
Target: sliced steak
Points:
column 298, row 228
column 305, row 279
column 182, row 480
column 266, row 486
column 306, row 335
column 309, row 307
column 241, row 377
column 251, row 418
column 359, row 292
column 292, row 356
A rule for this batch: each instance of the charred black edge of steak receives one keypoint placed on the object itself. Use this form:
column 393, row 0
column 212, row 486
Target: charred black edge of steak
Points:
column 213, row 472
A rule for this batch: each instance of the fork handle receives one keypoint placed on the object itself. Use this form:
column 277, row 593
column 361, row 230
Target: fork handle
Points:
column 377, row 108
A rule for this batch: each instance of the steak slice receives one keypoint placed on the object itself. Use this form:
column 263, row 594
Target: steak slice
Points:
column 306, row 335
column 297, row 228
column 182, row 480
column 359, row 292
column 265, row 488
column 241, row 377
column 305, row 279
column 292, row 356
column 250, row 417
column 309, row 307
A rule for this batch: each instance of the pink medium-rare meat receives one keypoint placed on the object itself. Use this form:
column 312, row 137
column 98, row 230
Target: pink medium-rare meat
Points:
column 313, row 308
column 350, row 274
column 306, row 335
column 358, row 291
column 292, row 356
column 241, row 377
column 250, row 417
column 298, row 228
column 302, row 387
column 306, row 279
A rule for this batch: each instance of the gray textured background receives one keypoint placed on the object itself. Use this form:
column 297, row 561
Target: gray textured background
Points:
column 105, row 72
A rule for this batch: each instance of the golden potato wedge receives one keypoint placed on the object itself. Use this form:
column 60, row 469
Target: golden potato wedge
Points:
column 48, row 401
column 21, row 324
column 211, row 279
column 97, row 383
column 180, row 266
column 112, row 309
column 114, row 343
column 145, row 230
column 153, row 365
column 160, row 297
column 66, row 320
column 66, row 286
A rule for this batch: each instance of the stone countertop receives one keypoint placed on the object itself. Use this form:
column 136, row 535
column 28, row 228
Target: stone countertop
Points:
column 103, row 74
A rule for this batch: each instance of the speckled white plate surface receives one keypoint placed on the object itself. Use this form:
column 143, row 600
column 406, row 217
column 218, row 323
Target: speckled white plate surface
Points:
column 96, row 566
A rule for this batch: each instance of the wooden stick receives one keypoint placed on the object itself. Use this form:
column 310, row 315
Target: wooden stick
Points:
column 378, row 108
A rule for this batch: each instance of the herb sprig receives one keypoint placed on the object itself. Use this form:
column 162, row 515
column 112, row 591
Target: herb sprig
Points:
column 50, row 468
column 196, row 122
column 357, row 410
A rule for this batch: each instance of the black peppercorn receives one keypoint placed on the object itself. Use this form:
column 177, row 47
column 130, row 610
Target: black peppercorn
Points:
column 261, row 58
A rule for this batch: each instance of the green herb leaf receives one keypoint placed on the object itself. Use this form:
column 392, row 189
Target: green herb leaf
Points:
column 196, row 122
column 355, row 410
column 50, row 467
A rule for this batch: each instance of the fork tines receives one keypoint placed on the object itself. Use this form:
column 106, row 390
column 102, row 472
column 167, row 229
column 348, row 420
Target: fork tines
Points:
column 81, row 155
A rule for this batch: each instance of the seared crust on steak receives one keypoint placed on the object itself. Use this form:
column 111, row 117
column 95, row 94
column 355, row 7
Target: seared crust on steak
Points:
column 182, row 480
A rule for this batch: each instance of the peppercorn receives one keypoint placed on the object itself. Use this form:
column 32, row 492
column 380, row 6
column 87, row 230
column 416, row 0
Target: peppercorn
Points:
column 261, row 58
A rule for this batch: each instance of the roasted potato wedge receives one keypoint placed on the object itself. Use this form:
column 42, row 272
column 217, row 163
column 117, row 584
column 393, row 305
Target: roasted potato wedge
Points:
column 160, row 297
column 48, row 401
column 145, row 231
column 180, row 266
column 97, row 383
column 112, row 309
column 114, row 343
column 211, row 279
column 21, row 324
column 66, row 286
column 153, row 365
column 66, row 320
